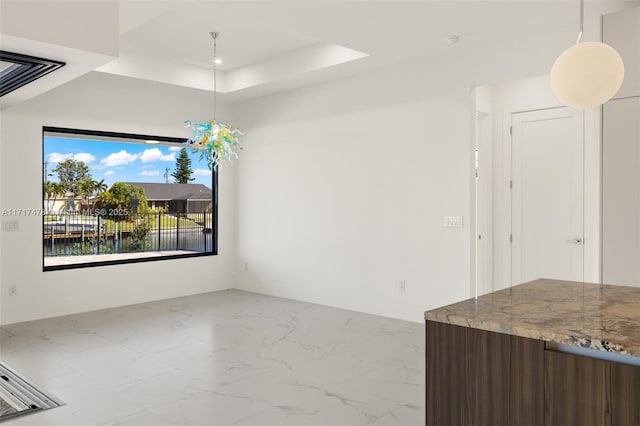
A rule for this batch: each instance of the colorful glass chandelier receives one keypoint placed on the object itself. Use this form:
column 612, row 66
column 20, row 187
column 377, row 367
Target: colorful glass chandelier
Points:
column 215, row 141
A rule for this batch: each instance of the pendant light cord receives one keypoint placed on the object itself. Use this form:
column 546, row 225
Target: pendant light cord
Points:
column 581, row 22
column 215, row 57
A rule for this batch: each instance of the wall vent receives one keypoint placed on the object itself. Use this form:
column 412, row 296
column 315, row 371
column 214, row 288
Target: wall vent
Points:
column 17, row 69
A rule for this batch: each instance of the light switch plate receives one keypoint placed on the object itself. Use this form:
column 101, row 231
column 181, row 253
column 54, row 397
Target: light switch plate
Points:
column 453, row 222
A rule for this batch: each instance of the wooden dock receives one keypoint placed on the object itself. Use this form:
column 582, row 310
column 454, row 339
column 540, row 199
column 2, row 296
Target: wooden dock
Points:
column 87, row 236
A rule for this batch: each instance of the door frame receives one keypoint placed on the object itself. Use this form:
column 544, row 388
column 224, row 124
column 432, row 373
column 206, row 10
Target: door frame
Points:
column 481, row 106
column 592, row 149
column 482, row 234
column 513, row 183
column 501, row 100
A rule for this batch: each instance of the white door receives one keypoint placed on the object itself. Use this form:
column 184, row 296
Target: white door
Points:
column 547, row 155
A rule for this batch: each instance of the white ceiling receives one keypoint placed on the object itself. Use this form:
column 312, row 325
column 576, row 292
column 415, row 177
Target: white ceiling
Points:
column 254, row 31
column 277, row 33
column 268, row 46
column 181, row 35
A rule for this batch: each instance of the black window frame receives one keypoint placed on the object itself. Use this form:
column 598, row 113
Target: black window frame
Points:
column 141, row 137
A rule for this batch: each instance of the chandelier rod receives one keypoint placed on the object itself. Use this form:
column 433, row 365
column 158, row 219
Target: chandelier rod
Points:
column 215, row 35
column 581, row 22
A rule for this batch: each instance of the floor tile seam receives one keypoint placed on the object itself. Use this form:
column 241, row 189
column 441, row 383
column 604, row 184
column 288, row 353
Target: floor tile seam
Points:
column 44, row 380
column 142, row 380
column 112, row 308
column 411, row 407
column 62, row 358
column 398, row 408
column 116, row 419
column 157, row 355
column 104, row 384
column 29, row 342
column 5, row 351
column 374, row 395
column 253, row 377
column 313, row 305
column 156, row 352
column 351, row 403
column 170, row 370
column 152, row 410
column 109, row 343
column 244, row 419
column 399, row 354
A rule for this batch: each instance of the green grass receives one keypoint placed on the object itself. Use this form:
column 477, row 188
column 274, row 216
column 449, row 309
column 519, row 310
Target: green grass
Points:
column 166, row 222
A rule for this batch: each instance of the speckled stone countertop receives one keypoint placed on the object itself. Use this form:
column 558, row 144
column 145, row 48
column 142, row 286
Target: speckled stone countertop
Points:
column 603, row 317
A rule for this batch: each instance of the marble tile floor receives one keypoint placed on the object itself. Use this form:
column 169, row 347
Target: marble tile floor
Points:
column 223, row 358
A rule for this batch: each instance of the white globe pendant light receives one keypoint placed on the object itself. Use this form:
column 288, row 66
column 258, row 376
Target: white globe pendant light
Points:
column 587, row 74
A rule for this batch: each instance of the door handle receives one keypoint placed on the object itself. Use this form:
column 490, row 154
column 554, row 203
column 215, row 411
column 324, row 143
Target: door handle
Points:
column 576, row 241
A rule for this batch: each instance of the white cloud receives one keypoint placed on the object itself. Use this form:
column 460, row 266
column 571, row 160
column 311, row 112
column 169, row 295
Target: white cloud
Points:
column 202, row 172
column 119, row 159
column 175, row 148
column 154, row 154
column 85, row 157
column 150, row 173
column 109, row 172
column 56, row 157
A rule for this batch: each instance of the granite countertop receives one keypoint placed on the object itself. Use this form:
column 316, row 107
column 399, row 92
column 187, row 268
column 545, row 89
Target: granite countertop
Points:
column 603, row 317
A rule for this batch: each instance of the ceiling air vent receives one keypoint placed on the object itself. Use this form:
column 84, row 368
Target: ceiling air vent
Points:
column 16, row 70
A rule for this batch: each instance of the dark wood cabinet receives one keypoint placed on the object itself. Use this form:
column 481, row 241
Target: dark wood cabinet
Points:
column 527, row 366
column 590, row 392
column 485, row 381
column 486, row 353
column 448, row 383
column 625, row 394
column 576, row 390
column 478, row 378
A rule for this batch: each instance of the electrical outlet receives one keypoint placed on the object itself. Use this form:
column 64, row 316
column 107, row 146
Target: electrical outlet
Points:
column 246, row 266
column 13, row 290
column 402, row 285
column 10, row 226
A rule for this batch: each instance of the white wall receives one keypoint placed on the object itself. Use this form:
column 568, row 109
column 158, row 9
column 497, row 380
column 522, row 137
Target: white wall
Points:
column 343, row 186
column 621, row 157
column 341, row 191
column 106, row 102
column 83, row 35
column 89, row 25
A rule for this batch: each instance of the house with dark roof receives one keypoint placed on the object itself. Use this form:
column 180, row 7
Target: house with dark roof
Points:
column 177, row 197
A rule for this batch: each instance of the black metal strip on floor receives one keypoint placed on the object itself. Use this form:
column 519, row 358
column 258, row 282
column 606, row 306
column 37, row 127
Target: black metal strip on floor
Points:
column 18, row 396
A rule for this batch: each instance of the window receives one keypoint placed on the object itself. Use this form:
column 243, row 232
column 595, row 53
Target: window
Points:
column 111, row 198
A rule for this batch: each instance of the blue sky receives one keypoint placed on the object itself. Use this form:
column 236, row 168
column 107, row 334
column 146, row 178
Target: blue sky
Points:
column 122, row 162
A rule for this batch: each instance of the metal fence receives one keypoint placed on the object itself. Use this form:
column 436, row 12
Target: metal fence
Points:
column 69, row 234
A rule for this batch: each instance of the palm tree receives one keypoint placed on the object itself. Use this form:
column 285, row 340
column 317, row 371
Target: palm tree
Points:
column 86, row 188
column 48, row 191
column 59, row 189
column 100, row 186
column 51, row 191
